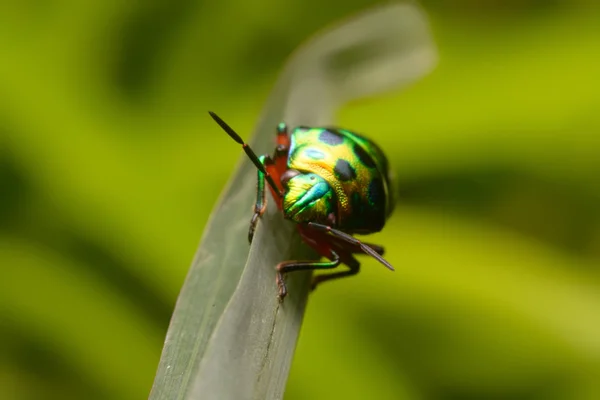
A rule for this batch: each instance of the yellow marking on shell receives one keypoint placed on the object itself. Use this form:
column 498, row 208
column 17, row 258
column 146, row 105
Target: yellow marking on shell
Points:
column 324, row 172
column 325, row 168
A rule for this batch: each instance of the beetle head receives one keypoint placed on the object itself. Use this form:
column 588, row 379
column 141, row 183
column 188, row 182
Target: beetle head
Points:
column 308, row 198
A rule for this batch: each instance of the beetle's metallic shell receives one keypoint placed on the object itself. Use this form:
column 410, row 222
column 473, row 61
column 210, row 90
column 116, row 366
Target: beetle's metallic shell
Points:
column 354, row 167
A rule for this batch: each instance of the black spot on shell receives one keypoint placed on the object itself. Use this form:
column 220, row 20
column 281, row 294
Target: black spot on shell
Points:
column 376, row 193
column 363, row 156
column 344, row 171
column 331, row 137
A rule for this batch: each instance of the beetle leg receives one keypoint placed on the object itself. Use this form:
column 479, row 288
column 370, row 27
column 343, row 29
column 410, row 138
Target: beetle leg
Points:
column 261, row 200
column 350, row 261
column 283, row 145
column 290, row 266
column 283, row 138
column 351, row 240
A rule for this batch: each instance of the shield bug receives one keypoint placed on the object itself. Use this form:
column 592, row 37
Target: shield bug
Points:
column 333, row 183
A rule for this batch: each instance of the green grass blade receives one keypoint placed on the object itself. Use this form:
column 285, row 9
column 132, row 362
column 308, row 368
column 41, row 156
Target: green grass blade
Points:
column 229, row 336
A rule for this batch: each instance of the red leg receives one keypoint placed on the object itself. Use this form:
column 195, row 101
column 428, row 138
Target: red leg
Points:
column 283, row 137
column 327, row 245
column 277, row 165
column 321, row 239
column 349, row 240
column 314, row 237
column 290, row 266
column 283, row 146
column 275, row 173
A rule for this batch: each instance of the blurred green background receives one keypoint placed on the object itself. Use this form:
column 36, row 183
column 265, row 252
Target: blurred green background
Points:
column 109, row 168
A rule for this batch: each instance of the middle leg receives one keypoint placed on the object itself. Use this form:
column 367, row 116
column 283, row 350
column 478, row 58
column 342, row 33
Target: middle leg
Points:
column 290, row 266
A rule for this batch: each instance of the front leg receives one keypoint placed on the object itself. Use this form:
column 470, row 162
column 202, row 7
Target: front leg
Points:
column 274, row 168
column 261, row 199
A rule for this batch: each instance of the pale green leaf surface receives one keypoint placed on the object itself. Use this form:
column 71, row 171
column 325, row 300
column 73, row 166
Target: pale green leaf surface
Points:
column 229, row 337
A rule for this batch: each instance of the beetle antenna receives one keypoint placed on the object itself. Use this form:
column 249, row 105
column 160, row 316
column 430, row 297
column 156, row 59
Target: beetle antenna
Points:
column 249, row 152
column 352, row 240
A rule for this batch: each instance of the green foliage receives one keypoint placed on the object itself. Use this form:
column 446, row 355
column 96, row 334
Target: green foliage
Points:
column 109, row 167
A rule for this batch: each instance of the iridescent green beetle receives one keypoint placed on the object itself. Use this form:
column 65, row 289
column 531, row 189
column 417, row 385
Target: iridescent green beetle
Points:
column 333, row 183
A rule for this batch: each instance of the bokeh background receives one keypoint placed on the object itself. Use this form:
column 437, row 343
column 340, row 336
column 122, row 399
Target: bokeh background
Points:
column 109, row 168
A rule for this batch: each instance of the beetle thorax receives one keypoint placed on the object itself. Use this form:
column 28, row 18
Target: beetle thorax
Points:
column 308, row 198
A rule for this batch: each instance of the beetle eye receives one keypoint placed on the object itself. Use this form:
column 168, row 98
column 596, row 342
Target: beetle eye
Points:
column 287, row 175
